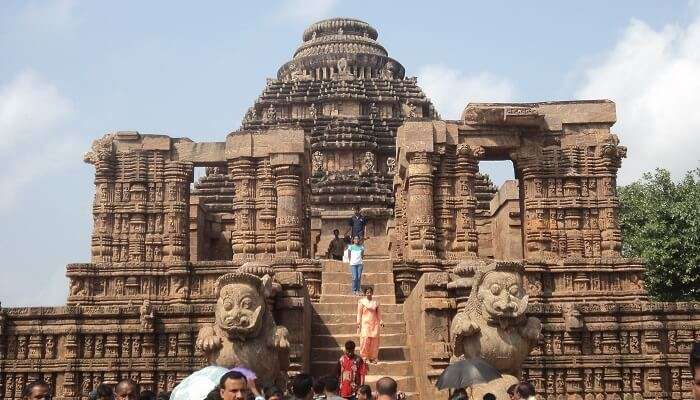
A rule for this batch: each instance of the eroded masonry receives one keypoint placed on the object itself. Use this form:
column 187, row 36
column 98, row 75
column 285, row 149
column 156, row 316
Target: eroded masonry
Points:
column 341, row 125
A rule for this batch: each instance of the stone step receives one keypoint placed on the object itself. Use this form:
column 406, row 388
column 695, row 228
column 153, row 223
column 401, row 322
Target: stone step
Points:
column 344, row 287
column 407, row 384
column 367, row 266
column 388, row 318
column 390, row 353
column 351, row 308
column 349, row 328
column 326, row 341
column 368, row 278
column 352, row 299
column 393, row 369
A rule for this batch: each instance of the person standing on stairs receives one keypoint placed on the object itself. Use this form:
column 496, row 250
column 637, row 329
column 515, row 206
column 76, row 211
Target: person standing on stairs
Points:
column 357, row 224
column 353, row 255
column 337, row 246
column 350, row 370
column 368, row 323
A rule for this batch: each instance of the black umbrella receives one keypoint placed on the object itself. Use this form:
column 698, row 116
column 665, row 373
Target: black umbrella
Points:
column 466, row 373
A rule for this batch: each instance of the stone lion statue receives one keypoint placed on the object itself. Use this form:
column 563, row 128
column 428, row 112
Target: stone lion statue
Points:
column 244, row 332
column 493, row 324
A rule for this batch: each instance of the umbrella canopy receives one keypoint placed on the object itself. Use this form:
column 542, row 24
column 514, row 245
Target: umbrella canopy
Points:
column 198, row 384
column 466, row 373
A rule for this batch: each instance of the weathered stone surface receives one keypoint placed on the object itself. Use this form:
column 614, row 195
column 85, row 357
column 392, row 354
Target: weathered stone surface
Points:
column 341, row 125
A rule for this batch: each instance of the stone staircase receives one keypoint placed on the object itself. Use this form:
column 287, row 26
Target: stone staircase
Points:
column 334, row 323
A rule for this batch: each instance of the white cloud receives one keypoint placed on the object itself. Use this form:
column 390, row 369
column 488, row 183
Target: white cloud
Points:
column 654, row 77
column 307, row 10
column 33, row 140
column 451, row 90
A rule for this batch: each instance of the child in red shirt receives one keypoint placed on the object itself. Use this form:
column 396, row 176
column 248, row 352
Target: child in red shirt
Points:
column 350, row 370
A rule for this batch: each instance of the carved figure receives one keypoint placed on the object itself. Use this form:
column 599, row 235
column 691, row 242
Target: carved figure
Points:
column 390, row 165
column 369, row 162
column 244, row 332
column 388, row 71
column 317, row 162
column 493, row 324
column 146, row 314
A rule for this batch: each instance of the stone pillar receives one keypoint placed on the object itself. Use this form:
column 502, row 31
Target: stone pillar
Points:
column 466, row 237
column 289, row 231
column 444, row 190
column 266, row 207
column 243, row 236
column 176, row 207
column 421, row 222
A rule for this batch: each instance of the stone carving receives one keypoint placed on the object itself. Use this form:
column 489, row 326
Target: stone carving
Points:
column 369, row 163
column 317, row 162
column 409, row 110
column 390, row 165
column 312, row 111
column 146, row 315
column 387, row 72
column 245, row 332
column 101, row 149
column 493, row 324
column 343, row 73
column 296, row 74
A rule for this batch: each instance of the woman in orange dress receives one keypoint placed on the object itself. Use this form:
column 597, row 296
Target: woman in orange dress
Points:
column 368, row 323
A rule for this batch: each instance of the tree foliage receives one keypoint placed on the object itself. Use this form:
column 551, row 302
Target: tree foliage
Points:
column 660, row 222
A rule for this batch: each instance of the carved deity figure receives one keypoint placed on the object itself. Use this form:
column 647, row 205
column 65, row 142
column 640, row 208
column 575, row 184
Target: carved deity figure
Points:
column 493, row 324
column 387, row 72
column 244, row 332
column 369, row 162
column 390, row 165
column 317, row 162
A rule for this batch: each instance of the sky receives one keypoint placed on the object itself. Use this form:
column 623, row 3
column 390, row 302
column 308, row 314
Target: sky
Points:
column 72, row 71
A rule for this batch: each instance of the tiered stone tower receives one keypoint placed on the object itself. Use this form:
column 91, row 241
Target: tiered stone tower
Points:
column 341, row 125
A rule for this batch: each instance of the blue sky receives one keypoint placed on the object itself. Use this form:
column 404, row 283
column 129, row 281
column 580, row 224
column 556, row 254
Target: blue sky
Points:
column 71, row 71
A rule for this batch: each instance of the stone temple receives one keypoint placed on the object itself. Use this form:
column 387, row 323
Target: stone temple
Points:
column 342, row 125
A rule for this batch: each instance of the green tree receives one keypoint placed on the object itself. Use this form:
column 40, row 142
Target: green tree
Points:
column 660, row 222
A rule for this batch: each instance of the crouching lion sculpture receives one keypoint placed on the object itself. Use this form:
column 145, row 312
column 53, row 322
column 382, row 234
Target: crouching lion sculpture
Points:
column 493, row 324
column 244, row 332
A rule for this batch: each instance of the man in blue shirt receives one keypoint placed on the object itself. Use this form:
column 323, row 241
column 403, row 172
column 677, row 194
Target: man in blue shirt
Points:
column 357, row 224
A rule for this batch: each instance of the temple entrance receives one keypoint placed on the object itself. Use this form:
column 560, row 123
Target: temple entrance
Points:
column 498, row 214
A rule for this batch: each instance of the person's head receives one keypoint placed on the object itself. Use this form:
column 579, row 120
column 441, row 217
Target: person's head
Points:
column 165, row 395
column 350, row 348
column 37, row 390
column 356, row 209
column 273, row 393
column 301, row 386
column 695, row 369
column 369, row 292
column 489, row 396
column 459, row 394
column 104, row 392
column 387, row 388
column 147, row 395
column 330, row 384
column 233, row 385
column 511, row 391
column 356, row 240
column 319, row 386
column 524, row 390
column 336, row 233
column 126, row 389
column 364, row 392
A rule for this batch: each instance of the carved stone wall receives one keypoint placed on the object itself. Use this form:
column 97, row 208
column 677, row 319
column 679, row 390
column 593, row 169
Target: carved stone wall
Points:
column 141, row 200
column 75, row 348
column 599, row 350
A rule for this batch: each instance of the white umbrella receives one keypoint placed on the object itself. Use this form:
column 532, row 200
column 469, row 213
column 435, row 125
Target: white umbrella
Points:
column 198, row 385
